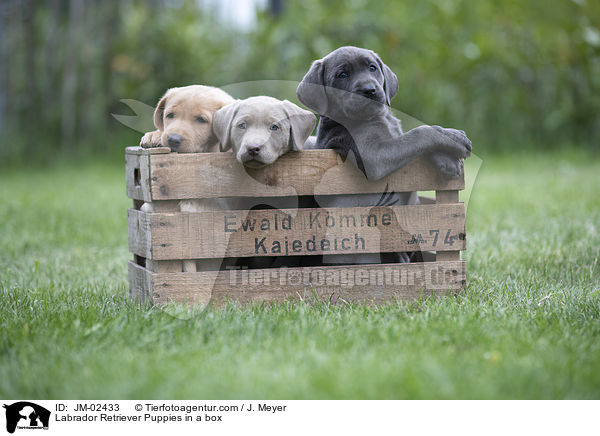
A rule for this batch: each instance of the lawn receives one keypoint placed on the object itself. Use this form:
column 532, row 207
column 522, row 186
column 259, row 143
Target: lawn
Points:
column 527, row 326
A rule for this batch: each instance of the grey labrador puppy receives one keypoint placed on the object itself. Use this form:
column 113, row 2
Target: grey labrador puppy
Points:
column 351, row 89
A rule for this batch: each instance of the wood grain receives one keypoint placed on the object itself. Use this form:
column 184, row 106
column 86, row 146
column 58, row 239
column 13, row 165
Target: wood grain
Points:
column 166, row 237
column 165, row 265
column 320, row 172
column 146, row 151
column 140, row 283
column 140, row 235
column 133, row 177
column 357, row 284
column 443, row 198
column 217, row 234
column 137, row 171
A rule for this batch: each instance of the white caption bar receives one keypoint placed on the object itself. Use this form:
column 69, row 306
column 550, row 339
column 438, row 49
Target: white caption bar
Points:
column 23, row 417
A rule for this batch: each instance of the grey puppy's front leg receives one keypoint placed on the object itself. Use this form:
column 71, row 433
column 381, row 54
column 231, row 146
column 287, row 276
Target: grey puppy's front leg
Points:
column 394, row 154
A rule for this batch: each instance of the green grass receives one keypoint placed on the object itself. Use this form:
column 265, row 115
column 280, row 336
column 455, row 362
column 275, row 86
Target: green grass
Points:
column 526, row 327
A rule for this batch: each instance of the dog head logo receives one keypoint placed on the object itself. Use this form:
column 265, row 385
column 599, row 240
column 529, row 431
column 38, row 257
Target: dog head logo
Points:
column 26, row 415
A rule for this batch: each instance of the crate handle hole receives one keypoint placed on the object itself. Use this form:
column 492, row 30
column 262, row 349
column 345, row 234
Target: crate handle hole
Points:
column 137, row 178
column 139, row 260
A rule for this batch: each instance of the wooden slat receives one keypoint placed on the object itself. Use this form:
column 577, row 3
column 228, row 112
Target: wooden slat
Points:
column 427, row 200
column 137, row 176
column 146, row 151
column 165, row 206
column 132, row 176
column 164, row 266
column 140, row 241
column 444, row 198
column 428, row 256
column 445, row 256
column 358, row 284
column 319, row 172
column 140, row 283
column 218, row 234
column 137, row 171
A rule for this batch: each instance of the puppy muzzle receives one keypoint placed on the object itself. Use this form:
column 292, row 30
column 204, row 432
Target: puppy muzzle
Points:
column 251, row 156
column 365, row 92
column 174, row 140
column 360, row 106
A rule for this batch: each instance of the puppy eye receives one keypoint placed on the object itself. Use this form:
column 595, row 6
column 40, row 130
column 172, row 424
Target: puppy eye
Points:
column 201, row 120
column 242, row 125
column 274, row 127
column 342, row 75
column 170, row 115
column 372, row 67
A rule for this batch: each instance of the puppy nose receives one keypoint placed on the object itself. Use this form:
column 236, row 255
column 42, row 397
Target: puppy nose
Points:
column 253, row 150
column 174, row 140
column 368, row 90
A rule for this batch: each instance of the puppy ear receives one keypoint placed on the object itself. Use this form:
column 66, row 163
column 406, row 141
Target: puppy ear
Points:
column 390, row 81
column 302, row 123
column 159, row 112
column 311, row 90
column 221, row 124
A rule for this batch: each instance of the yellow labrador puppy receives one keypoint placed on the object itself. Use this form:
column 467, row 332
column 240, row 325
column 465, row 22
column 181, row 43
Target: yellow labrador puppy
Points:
column 183, row 119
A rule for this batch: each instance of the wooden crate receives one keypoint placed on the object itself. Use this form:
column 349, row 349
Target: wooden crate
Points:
column 162, row 239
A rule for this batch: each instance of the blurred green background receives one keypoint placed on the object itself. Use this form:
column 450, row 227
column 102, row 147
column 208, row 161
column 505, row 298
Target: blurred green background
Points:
column 515, row 75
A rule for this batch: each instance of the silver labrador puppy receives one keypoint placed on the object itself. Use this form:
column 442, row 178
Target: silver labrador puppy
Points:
column 259, row 130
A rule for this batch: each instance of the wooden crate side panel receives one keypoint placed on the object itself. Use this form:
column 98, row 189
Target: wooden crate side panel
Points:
column 132, row 176
column 319, row 172
column 218, row 234
column 137, row 176
column 140, row 283
column 140, row 235
column 137, row 171
column 356, row 284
